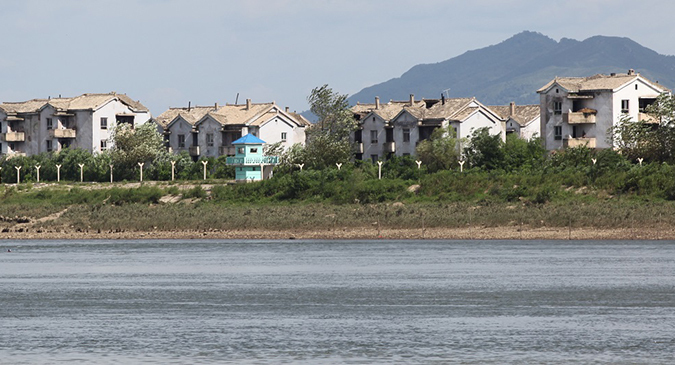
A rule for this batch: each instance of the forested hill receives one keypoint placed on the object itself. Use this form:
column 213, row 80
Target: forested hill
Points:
column 514, row 69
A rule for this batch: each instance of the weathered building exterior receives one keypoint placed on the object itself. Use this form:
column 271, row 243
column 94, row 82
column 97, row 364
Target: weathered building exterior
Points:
column 520, row 120
column 395, row 128
column 210, row 131
column 85, row 121
column 578, row 111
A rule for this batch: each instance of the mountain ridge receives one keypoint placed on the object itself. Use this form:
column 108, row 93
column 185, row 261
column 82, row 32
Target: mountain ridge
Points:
column 515, row 68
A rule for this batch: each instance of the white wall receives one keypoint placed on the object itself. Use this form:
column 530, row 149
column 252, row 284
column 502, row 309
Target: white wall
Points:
column 373, row 123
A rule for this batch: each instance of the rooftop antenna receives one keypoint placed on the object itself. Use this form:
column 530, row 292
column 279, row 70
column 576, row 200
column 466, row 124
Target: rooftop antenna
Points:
column 236, row 100
column 447, row 93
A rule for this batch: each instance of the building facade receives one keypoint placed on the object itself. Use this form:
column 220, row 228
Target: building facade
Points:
column 85, row 121
column 395, row 128
column 580, row 111
column 520, row 120
column 211, row 131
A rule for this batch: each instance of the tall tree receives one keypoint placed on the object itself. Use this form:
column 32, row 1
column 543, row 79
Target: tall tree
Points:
column 131, row 146
column 328, row 140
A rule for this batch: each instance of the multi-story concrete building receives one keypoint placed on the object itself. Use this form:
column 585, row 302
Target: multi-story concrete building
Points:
column 85, row 121
column 395, row 128
column 521, row 120
column 210, row 131
column 578, row 111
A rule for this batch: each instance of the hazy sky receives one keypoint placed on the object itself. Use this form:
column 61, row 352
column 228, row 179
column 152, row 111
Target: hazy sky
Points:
column 168, row 52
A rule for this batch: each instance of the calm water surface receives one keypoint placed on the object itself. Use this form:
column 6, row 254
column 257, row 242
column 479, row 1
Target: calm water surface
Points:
column 355, row 302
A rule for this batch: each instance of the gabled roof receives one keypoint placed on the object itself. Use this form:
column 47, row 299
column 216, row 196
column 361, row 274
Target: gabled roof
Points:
column 253, row 114
column 598, row 82
column 386, row 111
column 82, row 102
column 249, row 139
column 190, row 115
column 450, row 109
column 523, row 114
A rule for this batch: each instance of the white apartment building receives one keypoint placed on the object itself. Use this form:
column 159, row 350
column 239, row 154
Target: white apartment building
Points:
column 520, row 120
column 210, row 130
column 395, row 128
column 45, row 125
column 580, row 111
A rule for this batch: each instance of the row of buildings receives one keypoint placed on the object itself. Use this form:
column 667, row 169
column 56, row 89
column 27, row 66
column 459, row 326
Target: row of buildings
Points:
column 572, row 111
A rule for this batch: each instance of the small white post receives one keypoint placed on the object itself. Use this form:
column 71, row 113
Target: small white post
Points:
column 141, row 165
column 18, row 174
column 640, row 160
column 58, row 173
column 81, row 171
column 111, row 173
column 339, row 165
column 594, row 161
column 37, row 167
column 461, row 166
column 204, row 163
column 173, row 170
column 0, row 174
column 419, row 164
column 301, row 165
column 379, row 170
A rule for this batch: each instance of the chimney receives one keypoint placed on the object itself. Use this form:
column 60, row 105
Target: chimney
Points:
column 189, row 105
column 412, row 99
column 287, row 109
column 216, row 106
column 442, row 99
column 248, row 104
column 612, row 74
column 377, row 102
column 512, row 110
column 631, row 72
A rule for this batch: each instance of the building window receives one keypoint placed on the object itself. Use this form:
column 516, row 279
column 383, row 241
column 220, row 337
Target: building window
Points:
column 254, row 150
column 624, row 106
column 241, row 150
column 49, row 123
column 104, row 123
column 406, row 154
column 373, row 136
column 373, row 158
column 557, row 107
column 283, row 136
column 406, row 135
column 209, row 139
column 181, row 141
column 557, row 132
column 49, row 145
column 104, row 145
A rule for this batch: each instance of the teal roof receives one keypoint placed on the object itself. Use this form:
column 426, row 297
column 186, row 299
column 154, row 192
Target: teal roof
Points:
column 249, row 139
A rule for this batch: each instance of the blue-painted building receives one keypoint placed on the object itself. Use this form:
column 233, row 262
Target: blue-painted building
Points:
column 249, row 162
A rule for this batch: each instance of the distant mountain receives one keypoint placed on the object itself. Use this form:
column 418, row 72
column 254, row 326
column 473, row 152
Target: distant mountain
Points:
column 514, row 69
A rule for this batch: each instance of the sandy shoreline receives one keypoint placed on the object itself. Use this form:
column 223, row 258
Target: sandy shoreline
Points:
column 481, row 233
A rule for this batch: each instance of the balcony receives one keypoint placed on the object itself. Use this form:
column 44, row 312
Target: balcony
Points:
column 226, row 150
column 264, row 160
column 578, row 142
column 579, row 118
column 390, row 147
column 194, row 150
column 62, row 133
column 15, row 137
column 358, row 147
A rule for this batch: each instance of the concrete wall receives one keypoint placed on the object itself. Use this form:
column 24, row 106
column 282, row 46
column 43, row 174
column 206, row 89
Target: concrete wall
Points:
column 206, row 127
column 271, row 131
column 479, row 120
column 177, row 128
column 373, row 123
column 405, row 121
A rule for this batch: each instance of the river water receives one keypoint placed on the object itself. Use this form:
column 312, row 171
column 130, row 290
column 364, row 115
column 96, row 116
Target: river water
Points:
column 353, row 302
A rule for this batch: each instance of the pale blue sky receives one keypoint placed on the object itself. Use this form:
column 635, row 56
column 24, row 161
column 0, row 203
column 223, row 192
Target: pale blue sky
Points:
column 168, row 52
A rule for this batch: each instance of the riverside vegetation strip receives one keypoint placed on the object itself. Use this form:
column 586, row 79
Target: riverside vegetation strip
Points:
column 589, row 202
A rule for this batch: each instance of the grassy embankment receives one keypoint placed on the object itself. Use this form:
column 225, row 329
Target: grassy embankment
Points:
column 634, row 200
